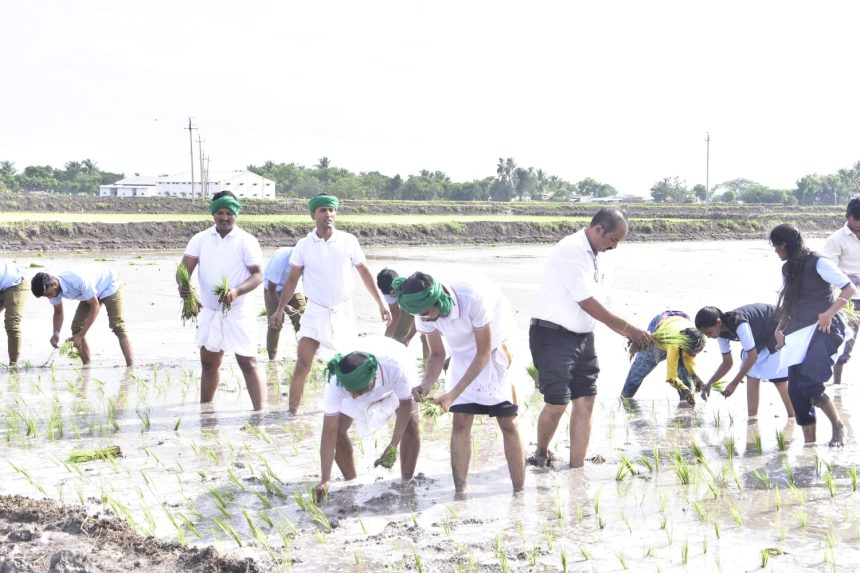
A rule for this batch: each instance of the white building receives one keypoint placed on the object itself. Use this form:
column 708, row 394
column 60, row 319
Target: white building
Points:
column 243, row 184
column 136, row 186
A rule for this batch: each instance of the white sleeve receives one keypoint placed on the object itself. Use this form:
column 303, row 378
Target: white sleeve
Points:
column 333, row 399
column 252, row 254
column 193, row 247
column 828, row 270
column 297, row 258
column 745, row 335
column 725, row 347
column 356, row 255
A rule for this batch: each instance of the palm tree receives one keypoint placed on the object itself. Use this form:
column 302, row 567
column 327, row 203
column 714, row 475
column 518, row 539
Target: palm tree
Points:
column 89, row 166
column 323, row 163
column 7, row 168
column 73, row 168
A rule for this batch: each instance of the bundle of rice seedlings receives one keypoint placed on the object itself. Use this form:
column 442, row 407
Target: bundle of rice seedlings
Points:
column 80, row 456
column 262, row 313
column 852, row 317
column 220, row 290
column 666, row 334
column 69, row 349
column 191, row 304
column 719, row 385
column 428, row 409
column 387, row 459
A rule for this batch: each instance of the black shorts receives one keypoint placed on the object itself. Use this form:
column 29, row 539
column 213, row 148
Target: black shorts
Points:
column 500, row 410
column 566, row 363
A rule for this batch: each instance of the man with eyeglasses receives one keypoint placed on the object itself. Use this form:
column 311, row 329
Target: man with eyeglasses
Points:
column 561, row 336
column 476, row 321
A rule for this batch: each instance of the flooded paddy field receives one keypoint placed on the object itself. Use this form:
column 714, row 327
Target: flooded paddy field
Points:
column 667, row 487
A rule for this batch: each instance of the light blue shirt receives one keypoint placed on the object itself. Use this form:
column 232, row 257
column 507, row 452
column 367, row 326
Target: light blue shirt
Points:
column 10, row 275
column 99, row 282
column 278, row 268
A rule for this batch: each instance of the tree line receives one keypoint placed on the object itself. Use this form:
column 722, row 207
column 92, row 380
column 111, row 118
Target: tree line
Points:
column 832, row 189
column 510, row 182
column 77, row 177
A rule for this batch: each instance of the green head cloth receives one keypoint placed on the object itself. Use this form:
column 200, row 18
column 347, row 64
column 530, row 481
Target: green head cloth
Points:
column 226, row 202
column 358, row 379
column 318, row 201
column 419, row 302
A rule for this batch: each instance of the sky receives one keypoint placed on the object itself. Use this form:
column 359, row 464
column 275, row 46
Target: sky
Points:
column 621, row 91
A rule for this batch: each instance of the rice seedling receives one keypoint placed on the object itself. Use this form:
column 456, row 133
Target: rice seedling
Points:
column 532, row 556
column 82, row 456
column 682, row 470
column 757, row 443
column 789, row 472
column 801, row 518
column 388, row 457
column 145, row 422
column 763, row 477
column 26, row 475
column 69, row 350
column 765, row 556
column 429, row 410
column 622, row 558
column 261, row 537
column 228, row 529
column 780, row 441
column 717, row 531
column 532, row 371
column 852, row 474
column 830, row 483
column 190, row 307
column 736, row 515
column 220, row 502
column 685, row 552
column 731, row 450
column 646, row 462
column 797, row 493
column 548, row 536
column 777, row 498
column 419, row 566
column 220, row 290
column 563, row 560
column 699, row 508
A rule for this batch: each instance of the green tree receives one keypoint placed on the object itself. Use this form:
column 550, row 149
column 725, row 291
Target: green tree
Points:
column 323, row 163
column 589, row 187
column 671, row 189
column 700, row 192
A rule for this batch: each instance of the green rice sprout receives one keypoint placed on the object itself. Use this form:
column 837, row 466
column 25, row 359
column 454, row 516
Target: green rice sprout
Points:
column 666, row 334
column 220, row 290
column 757, row 442
column 190, row 308
column 69, row 350
column 852, row 317
column 730, row 447
column 765, row 556
column 719, row 385
column 388, row 457
column 532, row 371
column 830, row 483
column 429, row 410
column 81, row 456
column 852, row 473
column 780, row 441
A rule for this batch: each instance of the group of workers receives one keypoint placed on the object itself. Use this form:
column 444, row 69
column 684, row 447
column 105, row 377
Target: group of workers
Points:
column 794, row 343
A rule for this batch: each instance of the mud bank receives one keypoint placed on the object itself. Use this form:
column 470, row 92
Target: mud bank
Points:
column 54, row 236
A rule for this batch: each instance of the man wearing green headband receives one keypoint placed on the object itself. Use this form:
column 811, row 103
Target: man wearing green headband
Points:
column 367, row 388
column 326, row 260
column 224, row 251
column 476, row 322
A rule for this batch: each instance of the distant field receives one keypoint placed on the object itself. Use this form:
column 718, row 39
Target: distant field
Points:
column 388, row 219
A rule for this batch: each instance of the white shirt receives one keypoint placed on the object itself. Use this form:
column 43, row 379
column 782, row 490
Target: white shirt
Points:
column 745, row 337
column 391, row 376
column 843, row 248
column 278, row 268
column 219, row 257
column 328, row 266
column 85, row 283
column 10, row 275
column 571, row 274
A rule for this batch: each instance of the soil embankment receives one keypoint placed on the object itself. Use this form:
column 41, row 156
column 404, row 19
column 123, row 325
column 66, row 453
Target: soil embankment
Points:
column 648, row 222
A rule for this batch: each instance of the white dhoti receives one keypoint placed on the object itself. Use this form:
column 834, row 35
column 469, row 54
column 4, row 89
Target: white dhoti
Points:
column 367, row 416
column 233, row 332
column 490, row 387
column 334, row 328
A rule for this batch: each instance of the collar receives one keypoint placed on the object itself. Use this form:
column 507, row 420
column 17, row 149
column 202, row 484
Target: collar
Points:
column 846, row 231
column 583, row 241
column 214, row 231
column 318, row 239
column 455, row 308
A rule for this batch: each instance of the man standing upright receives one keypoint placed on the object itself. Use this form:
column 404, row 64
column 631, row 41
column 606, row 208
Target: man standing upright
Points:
column 13, row 297
column 843, row 248
column 561, row 336
column 94, row 287
column 226, row 252
column 324, row 260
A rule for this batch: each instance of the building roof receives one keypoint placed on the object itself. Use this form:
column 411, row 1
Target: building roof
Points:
column 135, row 180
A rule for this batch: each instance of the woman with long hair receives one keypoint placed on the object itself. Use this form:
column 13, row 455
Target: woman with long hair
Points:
column 811, row 329
column 753, row 326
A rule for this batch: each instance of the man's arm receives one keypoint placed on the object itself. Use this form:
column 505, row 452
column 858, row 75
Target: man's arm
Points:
column 370, row 285
column 277, row 318
column 394, row 310
column 190, row 264
column 616, row 323
column 58, row 324
column 88, row 321
column 435, row 362
column 328, row 441
column 404, row 414
column 746, row 365
column 484, row 342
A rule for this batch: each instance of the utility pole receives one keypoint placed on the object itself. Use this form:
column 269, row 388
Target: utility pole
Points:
column 707, row 171
column 203, row 173
column 191, row 144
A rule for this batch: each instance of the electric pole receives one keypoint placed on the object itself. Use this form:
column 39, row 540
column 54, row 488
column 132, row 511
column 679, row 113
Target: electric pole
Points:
column 203, row 174
column 191, row 144
column 707, row 171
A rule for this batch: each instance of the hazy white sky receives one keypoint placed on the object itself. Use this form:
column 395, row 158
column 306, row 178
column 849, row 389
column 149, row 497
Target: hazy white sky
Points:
column 621, row 91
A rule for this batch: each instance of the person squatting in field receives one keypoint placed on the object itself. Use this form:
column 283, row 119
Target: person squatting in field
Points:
column 324, row 260
column 226, row 323
column 365, row 389
column 476, row 322
column 94, row 287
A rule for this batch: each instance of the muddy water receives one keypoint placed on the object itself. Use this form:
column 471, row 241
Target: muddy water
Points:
column 205, row 474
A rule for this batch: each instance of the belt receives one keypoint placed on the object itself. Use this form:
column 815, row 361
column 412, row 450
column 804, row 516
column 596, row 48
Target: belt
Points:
column 553, row 326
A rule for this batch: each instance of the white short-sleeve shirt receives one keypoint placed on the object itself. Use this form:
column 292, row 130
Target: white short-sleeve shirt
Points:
column 228, row 256
column 571, row 274
column 391, row 376
column 745, row 336
column 10, row 275
column 85, row 283
column 843, row 248
column 278, row 269
column 328, row 266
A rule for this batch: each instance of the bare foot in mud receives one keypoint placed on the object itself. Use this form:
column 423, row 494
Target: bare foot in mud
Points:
column 838, row 439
